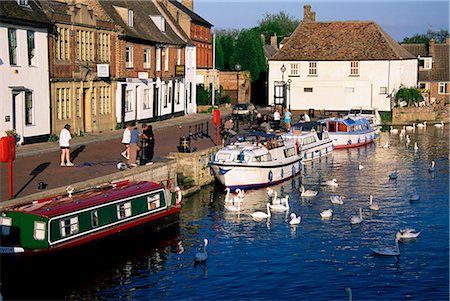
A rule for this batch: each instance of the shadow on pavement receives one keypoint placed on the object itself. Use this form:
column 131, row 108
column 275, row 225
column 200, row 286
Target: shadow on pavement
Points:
column 34, row 173
column 76, row 152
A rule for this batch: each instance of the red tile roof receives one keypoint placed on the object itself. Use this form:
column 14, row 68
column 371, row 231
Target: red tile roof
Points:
column 340, row 41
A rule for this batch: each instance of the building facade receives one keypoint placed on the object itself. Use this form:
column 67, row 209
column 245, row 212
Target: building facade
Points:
column 24, row 69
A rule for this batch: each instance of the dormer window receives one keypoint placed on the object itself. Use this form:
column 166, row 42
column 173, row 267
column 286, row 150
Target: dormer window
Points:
column 23, row 2
column 425, row 63
column 160, row 22
column 130, row 18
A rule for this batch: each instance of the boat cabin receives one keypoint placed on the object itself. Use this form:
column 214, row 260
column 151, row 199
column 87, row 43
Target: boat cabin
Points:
column 346, row 125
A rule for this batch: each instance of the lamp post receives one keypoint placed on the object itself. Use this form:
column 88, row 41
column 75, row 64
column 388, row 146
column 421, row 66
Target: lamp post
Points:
column 237, row 67
column 289, row 88
column 283, row 69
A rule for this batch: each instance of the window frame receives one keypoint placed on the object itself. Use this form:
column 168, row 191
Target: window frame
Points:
column 295, row 70
column 29, row 111
column 124, row 210
column 129, row 56
column 31, row 48
column 12, row 46
column 147, row 60
column 130, row 18
column 354, row 68
column 312, row 70
column 39, row 234
column 442, row 88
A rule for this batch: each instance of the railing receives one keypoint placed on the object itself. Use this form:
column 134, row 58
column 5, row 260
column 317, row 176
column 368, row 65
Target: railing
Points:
column 199, row 131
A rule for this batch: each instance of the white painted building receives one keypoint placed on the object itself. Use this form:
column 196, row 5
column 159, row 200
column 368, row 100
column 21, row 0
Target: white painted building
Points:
column 24, row 84
column 337, row 65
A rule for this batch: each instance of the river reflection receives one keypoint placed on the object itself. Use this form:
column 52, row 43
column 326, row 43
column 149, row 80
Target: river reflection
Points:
column 317, row 259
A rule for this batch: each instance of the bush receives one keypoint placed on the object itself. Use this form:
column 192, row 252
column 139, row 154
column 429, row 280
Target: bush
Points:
column 203, row 96
column 225, row 99
column 410, row 95
column 53, row 137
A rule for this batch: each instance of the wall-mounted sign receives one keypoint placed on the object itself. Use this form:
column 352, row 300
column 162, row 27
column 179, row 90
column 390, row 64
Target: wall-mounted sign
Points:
column 142, row 75
column 179, row 70
column 103, row 70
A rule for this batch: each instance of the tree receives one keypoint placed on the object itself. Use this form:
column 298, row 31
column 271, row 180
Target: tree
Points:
column 281, row 24
column 410, row 95
column 438, row 36
column 220, row 59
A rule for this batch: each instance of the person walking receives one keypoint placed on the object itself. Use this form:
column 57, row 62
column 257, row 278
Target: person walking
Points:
column 133, row 147
column 287, row 119
column 126, row 139
column 276, row 119
column 148, row 144
column 64, row 144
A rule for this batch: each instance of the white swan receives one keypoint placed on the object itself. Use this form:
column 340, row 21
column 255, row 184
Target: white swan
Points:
column 414, row 197
column 326, row 213
column 202, row 256
column 422, row 125
column 393, row 131
column 281, row 207
column 233, row 207
column 439, row 125
column 240, row 193
column 357, row 219
column 389, row 251
column 336, row 199
column 411, row 128
column 349, row 292
column 405, row 234
column 232, row 200
column 270, row 191
column 432, row 168
column 408, row 140
column 332, row 182
column 372, row 205
column 260, row 214
column 307, row 193
column 403, row 132
column 393, row 175
column 360, row 166
column 295, row 220
column 416, row 146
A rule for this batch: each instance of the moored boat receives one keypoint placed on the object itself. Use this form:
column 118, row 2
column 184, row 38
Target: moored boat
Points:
column 369, row 113
column 78, row 218
column 256, row 160
column 347, row 132
column 312, row 138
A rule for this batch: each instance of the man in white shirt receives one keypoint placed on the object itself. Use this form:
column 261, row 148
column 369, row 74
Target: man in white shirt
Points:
column 276, row 119
column 64, row 144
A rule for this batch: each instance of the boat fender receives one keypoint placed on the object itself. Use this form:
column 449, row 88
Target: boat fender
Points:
column 178, row 196
column 359, row 140
column 297, row 148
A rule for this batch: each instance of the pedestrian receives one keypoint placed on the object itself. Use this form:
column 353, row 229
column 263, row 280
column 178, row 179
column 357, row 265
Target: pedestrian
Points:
column 287, row 119
column 64, row 144
column 148, row 143
column 126, row 139
column 306, row 118
column 229, row 127
column 133, row 147
column 276, row 119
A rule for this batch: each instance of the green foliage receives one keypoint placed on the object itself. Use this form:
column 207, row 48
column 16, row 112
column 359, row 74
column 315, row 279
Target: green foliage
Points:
column 220, row 58
column 118, row 126
column 282, row 24
column 410, row 95
column 10, row 132
column 226, row 40
column 225, row 99
column 386, row 117
column 53, row 137
column 438, row 36
column 203, row 96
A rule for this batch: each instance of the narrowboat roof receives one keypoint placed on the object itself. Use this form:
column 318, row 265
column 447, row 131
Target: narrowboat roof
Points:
column 63, row 204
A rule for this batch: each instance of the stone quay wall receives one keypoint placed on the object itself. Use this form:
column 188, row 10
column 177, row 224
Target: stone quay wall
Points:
column 413, row 114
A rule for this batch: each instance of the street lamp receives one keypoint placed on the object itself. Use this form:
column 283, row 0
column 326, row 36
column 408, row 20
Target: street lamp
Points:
column 283, row 69
column 237, row 67
column 289, row 88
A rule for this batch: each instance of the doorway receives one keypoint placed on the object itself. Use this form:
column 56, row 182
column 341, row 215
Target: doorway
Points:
column 155, row 102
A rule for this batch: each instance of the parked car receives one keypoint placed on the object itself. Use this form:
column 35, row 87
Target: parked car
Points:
column 244, row 110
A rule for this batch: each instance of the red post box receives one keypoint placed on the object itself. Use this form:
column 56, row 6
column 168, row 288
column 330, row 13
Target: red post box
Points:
column 216, row 117
column 7, row 149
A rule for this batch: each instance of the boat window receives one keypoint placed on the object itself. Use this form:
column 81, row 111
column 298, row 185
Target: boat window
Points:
column 290, row 152
column 39, row 230
column 368, row 112
column 342, row 127
column 262, row 158
column 94, row 218
column 309, row 140
column 222, row 157
column 69, row 226
column 6, row 223
column 354, row 111
column 124, row 210
column 332, row 127
column 154, row 201
column 325, row 135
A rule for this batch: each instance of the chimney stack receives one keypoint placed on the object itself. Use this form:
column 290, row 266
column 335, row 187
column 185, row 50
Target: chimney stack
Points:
column 308, row 15
column 263, row 38
column 273, row 40
column 447, row 41
column 188, row 3
column 431, row 48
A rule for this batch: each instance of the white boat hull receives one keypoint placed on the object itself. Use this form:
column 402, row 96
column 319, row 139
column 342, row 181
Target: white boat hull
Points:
column 348, row 140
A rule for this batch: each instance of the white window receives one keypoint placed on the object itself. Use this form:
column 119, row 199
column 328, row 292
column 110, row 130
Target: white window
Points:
column 39, row 230
column 104, row 99
column 178, row 56
column 158, row 59
column 153, row 202
column 6, row 222
column 128, row 101
column 354, row 68
column 129, row 56
column 425, row 63
column 160, row 22
column 94, row 218
column 69, row 226
column 94, row 101
column 349, row 89
column 147, row 58
column 31, row 47
column 444, row 88
column 312, row 69
column 78, row 102
column 123, row 210
column 166, row 59
column 23, row 2
column 383, row 90
column 12, row 44
column 294, row 70
column 63, row 104
column 62, row 44
column 146, row 104
column 130, row 18
column 29, row 115
column 85, row 45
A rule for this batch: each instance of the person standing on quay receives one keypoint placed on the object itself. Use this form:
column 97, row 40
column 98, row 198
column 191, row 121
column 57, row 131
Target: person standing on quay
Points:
column 64, row 144
column 148, row 143
column 126, row 140
column 287, row 119
column 133, row 147
column 276, row 119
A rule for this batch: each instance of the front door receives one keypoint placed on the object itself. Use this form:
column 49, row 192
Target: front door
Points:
column 83, row 109
column 155, row 102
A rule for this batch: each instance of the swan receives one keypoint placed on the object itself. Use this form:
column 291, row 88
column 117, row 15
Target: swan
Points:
column 411, row 128
column 414, row 197
column 439, row 125
column 335, row 199
column 281, row 207
column 405, row 234
column 416, row 146
column 372, row 205
column 393, row 175
column 308, row 193
column 332, row 182
column 389, row 251
column 260, row 214
column 240, row 193
column 422, row 125
column 202, row 256
column 326, row 213
column 432, row 167
column 408, row 140
column 232, row 200
column 403, row 132
column 233, row 207
column 349, row 292
column 360, row 166
column 393, row 131
column 295, row 220
column 270, row 191
column 357, row 219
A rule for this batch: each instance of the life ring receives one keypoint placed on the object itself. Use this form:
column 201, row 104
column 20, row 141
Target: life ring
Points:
column 178, row 196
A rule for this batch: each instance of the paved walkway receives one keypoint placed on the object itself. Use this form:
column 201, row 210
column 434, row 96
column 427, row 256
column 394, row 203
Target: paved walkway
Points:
column 94, row 155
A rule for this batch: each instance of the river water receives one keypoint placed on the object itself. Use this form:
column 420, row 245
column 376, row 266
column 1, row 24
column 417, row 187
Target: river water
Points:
column 315, row 260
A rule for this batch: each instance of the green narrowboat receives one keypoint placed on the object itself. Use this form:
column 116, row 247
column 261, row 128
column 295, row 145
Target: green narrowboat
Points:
column 77, row 218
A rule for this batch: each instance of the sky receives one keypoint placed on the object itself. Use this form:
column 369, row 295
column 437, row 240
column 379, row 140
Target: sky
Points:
column 398, row 18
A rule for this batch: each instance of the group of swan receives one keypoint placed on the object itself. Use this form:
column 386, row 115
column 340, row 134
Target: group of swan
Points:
column 234, row 203
column 404, row 234
column 281, row 204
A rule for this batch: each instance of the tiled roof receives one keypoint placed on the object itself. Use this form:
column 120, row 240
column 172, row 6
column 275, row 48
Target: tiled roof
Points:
column 340, row 41
column 440, row 70
column 144, row 28
column 416, row 49
column 194, row 17
column 269, row 51
column 12, row 12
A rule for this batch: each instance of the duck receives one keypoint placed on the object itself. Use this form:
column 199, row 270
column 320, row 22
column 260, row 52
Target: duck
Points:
column 414, row 197
column 335, row 199
column 326, row 213
column 432, row 168
column 405, row 234
column 411, row 128
column 202, row 256
column 295, row 220
column 232, row 200
column 372, row 205
column 332, row 182
column 439, row 125
column 260, row 214
column 307, row 193
column 416, row 146
column 393, row 131
column 388, row 250
column 280, row 206
column 422, row 125
column 360, row 166
column 393, row 175
column 357, row 219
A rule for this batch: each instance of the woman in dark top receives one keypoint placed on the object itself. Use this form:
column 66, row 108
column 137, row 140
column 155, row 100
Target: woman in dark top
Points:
column 148, row 143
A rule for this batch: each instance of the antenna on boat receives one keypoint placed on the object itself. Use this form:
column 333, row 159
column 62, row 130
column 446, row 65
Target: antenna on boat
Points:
column 70, row 190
